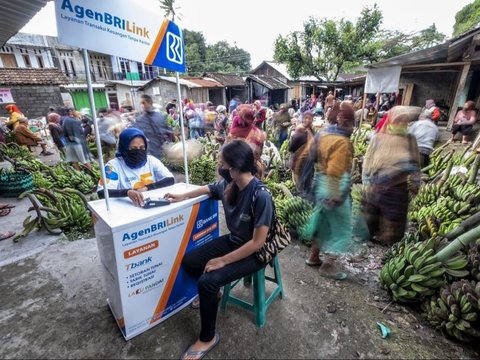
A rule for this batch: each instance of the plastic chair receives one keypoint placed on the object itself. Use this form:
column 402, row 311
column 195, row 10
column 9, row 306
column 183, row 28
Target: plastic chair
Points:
column 260, row 303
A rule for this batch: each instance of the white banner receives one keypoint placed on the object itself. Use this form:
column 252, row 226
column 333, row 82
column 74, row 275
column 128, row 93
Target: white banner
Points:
column 6, row 96
column 383, row 80
column 124, row 28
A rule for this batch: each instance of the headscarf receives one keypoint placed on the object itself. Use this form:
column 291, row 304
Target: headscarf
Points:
column 13, row 108
column 398, row 119
column 243, row 122
column 124, row 140
column 429, row 103
column 53, row 117
column 470, row 105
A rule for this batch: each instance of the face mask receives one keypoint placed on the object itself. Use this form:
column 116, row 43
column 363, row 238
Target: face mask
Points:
column 225, row 173
column 136, row 157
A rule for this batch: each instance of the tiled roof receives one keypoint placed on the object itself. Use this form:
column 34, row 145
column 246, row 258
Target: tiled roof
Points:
column 270, row 82
column 226, row 79
column 29, row 76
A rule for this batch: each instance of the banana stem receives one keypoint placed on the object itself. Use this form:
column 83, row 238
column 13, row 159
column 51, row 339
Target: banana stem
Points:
column 474, row 170
column 458, row 244
column 465, row 225
column 447, row 172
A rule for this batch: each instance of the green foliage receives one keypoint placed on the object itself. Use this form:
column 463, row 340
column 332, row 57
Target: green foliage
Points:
column 467, row 18
column 325, row 47
column 219, row 57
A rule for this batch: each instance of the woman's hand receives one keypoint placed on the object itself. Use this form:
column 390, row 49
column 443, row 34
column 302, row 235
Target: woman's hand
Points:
column 136, row 197
column 174, row 197
column 215, row 264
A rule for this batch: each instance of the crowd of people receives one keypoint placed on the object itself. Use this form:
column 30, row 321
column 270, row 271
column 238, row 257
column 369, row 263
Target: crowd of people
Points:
column 320, row 162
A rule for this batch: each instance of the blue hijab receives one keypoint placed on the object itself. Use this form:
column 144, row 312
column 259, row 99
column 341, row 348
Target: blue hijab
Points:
column 125, row 138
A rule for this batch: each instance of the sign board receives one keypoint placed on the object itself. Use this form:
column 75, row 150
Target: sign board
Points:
column 124, row 28
column 6, row 96
column 145, row 282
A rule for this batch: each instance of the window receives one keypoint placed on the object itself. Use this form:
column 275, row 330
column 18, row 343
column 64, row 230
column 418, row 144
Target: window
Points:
column 8, row 60
column 73, row 69
column 105, row 72
column 65, row 67
column 99, row 68
column 40, row 61
column 26, row 60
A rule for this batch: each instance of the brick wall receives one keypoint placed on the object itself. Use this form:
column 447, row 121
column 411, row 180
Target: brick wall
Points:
column 34, row 100
column 439, row 86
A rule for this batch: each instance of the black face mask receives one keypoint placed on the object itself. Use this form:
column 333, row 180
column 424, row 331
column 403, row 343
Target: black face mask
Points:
column 225, row 173
column 136, row 157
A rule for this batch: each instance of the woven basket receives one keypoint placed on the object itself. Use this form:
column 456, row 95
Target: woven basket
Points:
column 13, row 184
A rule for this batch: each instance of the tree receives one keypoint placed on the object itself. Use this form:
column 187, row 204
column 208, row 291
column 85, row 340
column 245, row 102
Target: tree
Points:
column 195, row 51
column 169, row 8
column 325, row 47
column 467, row 18
column 221, row 57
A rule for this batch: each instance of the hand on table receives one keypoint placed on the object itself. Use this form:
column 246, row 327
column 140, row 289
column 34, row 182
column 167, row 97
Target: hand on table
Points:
column 174, row 197
column 215, row 264
column 136, row 197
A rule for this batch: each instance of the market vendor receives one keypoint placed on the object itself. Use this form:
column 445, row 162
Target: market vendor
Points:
column 25, row 136
column 132, row 171
column 15, row 115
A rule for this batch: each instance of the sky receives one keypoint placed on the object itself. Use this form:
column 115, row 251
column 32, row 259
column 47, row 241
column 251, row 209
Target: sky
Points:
column 253, row 25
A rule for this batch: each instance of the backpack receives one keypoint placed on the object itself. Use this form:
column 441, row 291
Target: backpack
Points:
column 278, row 237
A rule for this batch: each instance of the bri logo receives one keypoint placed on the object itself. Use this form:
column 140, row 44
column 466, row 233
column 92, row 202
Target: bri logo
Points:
column 138, row 264
column 202, row 222
column 174, row 48
column 106, row 18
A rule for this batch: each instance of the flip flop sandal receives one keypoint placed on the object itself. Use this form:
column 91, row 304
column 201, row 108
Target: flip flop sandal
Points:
column 6, row 235
column 5, row 212
column 201, row 354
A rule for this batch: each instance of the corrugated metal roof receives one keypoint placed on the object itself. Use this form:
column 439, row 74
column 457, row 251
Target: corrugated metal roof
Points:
column 31, row 76
column 183, row 82
column 270, row 82
column 204, row 82
column 14, row 15
column 435, row 54
column 226, row 79
column 282, row 69
column 131, row 83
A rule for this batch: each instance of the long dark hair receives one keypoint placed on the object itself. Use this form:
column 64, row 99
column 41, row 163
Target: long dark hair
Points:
column 238, row 155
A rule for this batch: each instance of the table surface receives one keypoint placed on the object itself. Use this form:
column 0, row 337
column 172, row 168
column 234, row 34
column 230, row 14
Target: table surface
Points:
column 123, row 213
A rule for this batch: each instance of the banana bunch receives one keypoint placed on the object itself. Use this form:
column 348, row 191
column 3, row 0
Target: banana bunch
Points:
column 202, row 170
column 467, row 192
column 294, row 212
column 455, row 310
column 357, row 194
column 278, row 189
column 40, row 181
column 439, row 162
column 11, row 150
column 31, row 165
column 414, row 274
column 428, row 195
column 398, row 249
column 359, row 148
column 474, row 260
column 65, row 176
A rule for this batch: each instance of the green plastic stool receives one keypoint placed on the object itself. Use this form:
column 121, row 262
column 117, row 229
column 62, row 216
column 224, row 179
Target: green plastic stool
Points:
column 260, row 304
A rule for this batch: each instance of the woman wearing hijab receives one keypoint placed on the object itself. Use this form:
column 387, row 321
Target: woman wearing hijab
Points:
column 243, row 127
column 132, row 171
column 56, row 131
column 15, row 114
column 299, row 146
column 391, row 168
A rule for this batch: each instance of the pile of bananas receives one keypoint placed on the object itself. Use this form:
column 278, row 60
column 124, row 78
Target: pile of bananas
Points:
column 202, row 170
column 455, row 310
column 418, row 272
column 294, row 212
column 279, row 190
column 65, row 176
column 57, row 211
column 474, row 260
column 398, row 249
column 12, row 151
column 466, row 192
column 30, row 165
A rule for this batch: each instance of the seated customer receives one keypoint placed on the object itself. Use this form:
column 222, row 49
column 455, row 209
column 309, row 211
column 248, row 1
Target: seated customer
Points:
column 25, row 136
column 132, row 171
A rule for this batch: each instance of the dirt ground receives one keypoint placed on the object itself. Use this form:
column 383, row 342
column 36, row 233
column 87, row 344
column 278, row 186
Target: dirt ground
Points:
column 53, row 305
